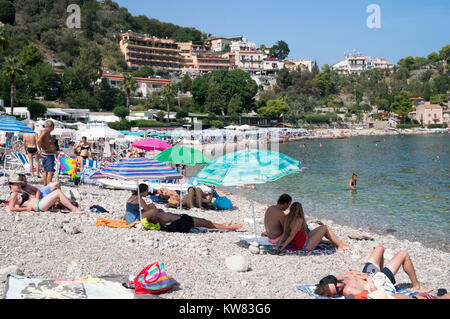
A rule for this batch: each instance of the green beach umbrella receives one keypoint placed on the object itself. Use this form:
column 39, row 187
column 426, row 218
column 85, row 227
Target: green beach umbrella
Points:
column 248, row 167
column 183, row 155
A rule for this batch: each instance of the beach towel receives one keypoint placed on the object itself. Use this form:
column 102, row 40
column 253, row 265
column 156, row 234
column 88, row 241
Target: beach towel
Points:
column 108, row 287
column 118, row 223
column 310, row 290
column 197, row 230
column 158, row 200
column 321, row 249
column 68, row 165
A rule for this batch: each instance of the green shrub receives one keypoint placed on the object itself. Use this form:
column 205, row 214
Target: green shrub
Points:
column 408, row 125
column 443, row 125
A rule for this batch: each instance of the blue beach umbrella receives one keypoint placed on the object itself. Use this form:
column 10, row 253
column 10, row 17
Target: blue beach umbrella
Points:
column 248, row 167
column 138, row 169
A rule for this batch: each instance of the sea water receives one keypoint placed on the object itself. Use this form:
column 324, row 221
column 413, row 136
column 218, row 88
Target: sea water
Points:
column 403, row 188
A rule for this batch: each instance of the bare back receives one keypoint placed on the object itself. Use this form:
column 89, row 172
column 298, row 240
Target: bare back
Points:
column 30, row 140
column 274, row 221
column 161, row 217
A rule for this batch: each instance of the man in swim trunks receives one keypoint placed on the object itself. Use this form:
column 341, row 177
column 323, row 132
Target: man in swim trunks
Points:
column 182, row 223
column 48, row 148
column 31, row 149
column 275, row 217
column 375, row 280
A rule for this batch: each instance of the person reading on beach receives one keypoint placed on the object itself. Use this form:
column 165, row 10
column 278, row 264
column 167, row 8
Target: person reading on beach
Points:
column 274, row 218
column 375, row 281
column 20, row 201
column 183, row 223
column 132, row 213
column 49, row 150
column 30, row 144
column 38, row 192
column 352, row 182
column 295, row 232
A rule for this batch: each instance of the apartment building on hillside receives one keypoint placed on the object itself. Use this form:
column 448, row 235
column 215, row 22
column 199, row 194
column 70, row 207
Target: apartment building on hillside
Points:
column 357, row 63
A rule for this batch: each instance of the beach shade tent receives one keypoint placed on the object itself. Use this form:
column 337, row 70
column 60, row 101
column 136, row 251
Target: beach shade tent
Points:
column 246, row 167
column 151, row 144
column 184, row 156
column 98, row 132
column 137, row 169
column 10, row 124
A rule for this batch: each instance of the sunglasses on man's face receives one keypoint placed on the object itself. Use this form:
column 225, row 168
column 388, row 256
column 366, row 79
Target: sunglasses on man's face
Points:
column 339, row 291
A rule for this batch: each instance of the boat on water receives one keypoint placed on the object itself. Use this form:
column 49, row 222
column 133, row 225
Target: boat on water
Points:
column 440, row 130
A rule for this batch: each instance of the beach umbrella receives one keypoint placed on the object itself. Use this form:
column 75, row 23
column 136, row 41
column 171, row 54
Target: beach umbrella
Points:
column 138, row 169
column 11, row 125
column 248, row 167
column 98, row 132
column 151, row 144
column 184, row 156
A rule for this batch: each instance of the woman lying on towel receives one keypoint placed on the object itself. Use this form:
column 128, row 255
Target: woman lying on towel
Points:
column 20, row 201
column 294, row 232
column 194, row 198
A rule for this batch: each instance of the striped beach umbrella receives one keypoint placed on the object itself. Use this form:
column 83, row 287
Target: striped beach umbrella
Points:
column 248, row 167
column 11, row 125
column 138, row 169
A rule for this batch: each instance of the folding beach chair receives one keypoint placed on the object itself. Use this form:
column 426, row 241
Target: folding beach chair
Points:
column 23, row 161
column 89, row 168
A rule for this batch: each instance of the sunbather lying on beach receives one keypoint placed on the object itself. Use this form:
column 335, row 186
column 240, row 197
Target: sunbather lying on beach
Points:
column 20, row 200
column 183, row 223
column 295, row 232
column 132, row 213
column 374, row 281
column 195, row 197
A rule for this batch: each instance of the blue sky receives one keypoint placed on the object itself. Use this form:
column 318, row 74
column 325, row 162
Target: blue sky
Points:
column 322, row 29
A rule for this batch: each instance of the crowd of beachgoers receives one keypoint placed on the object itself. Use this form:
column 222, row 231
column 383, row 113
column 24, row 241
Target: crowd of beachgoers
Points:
column 53, row 228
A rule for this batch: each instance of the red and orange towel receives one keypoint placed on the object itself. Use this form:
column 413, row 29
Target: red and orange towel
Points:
column 118, row 223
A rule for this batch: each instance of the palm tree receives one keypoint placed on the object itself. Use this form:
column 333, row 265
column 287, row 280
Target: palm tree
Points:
column 169, row 92
column 12, row 68
column 128, row 85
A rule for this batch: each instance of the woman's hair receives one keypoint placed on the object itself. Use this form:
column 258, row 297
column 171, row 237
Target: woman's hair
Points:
column 323, row 290
column 142, row 188
column 295, row 213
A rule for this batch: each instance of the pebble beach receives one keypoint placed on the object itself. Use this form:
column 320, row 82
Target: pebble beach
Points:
column 67, row 246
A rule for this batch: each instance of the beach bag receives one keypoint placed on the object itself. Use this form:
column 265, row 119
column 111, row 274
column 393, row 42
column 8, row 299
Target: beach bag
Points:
column 222, row 203
column 152, row 280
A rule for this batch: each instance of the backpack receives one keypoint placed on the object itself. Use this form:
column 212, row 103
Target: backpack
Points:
column 222, row 203
column 152, row 280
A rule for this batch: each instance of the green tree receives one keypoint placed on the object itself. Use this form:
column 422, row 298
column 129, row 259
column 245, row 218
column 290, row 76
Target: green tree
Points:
column 402, row 105
column 44, row 81
column 128, row 86
column 441, row 84
column 214, row 102
column 274, row 109
column 36, row 109
column 235, row 105
column 30, row 55
column 444, row 53
column 433, row 57
column 186, row 83
column 4, row 41
column 12, row 68
column 121, row 112
column 169, row 93
column 88, row 66
column 284, row 78
column 280, row 50
column 7, row 12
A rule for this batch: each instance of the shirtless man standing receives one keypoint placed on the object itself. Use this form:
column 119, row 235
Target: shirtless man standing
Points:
column 31, row 149
column 275, row 217
column 182, row 223
column 48, row 148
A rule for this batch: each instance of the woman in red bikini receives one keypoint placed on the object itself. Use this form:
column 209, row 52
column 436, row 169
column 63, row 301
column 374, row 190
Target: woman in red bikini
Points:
column 294, row 232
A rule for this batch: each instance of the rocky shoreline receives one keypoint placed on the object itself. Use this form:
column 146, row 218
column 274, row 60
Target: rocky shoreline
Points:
column 67, row 246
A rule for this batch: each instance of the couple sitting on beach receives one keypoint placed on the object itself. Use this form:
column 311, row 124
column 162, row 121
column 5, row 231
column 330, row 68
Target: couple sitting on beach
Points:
column 285, row 229
column 168, row 221
column 26, row 197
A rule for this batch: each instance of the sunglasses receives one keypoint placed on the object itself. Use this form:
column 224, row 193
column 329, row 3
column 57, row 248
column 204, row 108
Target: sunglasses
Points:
column 333, row 280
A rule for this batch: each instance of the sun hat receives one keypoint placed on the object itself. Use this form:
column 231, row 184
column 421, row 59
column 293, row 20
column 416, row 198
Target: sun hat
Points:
column 15, row 178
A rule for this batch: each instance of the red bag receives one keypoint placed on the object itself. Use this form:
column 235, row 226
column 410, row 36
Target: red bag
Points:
column 152, row 280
